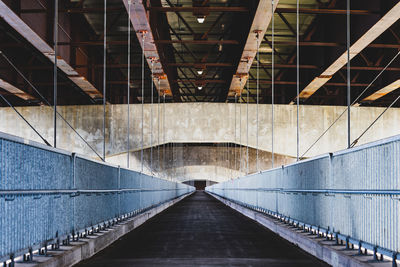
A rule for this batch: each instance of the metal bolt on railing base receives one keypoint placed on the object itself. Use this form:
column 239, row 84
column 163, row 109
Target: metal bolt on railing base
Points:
column 12, row 263
column 374, row 254
column 394, row 256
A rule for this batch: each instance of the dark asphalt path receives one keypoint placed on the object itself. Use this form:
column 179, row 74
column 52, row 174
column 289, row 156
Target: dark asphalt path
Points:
column 201, row 231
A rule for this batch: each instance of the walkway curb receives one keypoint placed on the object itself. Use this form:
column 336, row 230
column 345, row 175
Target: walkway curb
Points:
column 89, row 246
column 327, row 251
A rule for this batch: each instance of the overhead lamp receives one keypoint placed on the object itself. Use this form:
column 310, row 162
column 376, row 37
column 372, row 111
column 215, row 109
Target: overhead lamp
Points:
column 199, row 71
column 199, row 87
column 201, row 19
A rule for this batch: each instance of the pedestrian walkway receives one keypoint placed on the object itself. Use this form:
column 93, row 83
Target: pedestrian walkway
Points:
column 201, row 231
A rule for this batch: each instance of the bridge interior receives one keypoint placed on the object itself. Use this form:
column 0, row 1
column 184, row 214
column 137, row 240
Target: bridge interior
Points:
column 199, row 133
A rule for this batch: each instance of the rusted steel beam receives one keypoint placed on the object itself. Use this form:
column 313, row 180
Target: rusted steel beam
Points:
column 200, row 81
column 208, row 42
column 141, row 24
column 258, row 28
column 361, row 68
column 324, row 11
column 16, row 91
column 233, row 42
column 34, row 39
column 199, row 9
column 333, row 44
column 204, row 65
column 75, row 10
column 294, row 83
column 364, row 41
column 382, row 92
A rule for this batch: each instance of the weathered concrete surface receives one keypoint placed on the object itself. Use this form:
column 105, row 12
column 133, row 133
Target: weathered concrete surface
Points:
column 216, row 162
column 92, row 244
column 201, row 123
column 328, row 251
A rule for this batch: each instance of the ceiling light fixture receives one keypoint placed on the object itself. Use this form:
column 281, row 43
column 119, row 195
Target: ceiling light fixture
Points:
column 199, row 71
column 201, row 19
column 200, row 87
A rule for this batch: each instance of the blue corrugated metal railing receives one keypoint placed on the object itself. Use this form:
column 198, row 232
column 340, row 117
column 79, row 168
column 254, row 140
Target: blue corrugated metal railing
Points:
column 48, row 195
column 353, row 195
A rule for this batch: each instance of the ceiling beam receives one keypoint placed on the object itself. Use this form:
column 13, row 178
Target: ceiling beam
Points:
column 141, row 24
column 133, row 65
column 244, row 9
column 314, row 67
column 323, row 11
column 160, row 29
column 203, row 65
column 209, row 42
column 202, row 81
column 34, row 39
column 16, row 91
column 258, row 28
column 199, row 9
column 333, row 44
column 233, row 42
column 294, row 83
column 74, row 10
column 374, row 32
column 382, row 92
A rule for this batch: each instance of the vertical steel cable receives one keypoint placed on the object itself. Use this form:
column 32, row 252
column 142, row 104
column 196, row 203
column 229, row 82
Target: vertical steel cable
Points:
column 104, row 77
column 247, row 127
column 55, row 93
column 240, row 127
column 348, row 72
column 129, row 79
column 235, row 133
column 258, row 88
column 173, row 159
column 164, row 169
column 272, row 86
column 228, row 157
column 141, row 150
column 158, row 127
column 151, row 117
column 297, row 78
column 228, row 147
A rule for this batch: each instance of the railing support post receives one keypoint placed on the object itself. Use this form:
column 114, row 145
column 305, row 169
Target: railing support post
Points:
column 30, row 254
column 394, row 257
column 374, row 254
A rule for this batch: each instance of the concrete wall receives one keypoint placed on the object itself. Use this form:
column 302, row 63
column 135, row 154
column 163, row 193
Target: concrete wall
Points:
column 202, row 122
column 199, row 162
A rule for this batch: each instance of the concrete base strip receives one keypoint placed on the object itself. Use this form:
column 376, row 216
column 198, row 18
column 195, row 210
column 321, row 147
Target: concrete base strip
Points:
column 325, row 250
column 92, row 244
